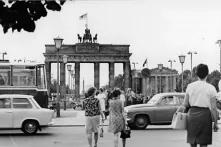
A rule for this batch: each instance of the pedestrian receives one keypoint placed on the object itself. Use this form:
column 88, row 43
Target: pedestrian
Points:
column 200, row 98
column 116, row 119
column 92, row 109
column 102, row 98
column 122, row 98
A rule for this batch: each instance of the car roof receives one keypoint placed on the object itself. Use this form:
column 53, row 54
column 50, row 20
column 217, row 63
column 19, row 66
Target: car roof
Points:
column 15, row 95
column 170, row 93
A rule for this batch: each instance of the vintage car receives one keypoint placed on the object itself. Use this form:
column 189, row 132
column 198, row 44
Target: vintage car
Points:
column 23, row 112
column 158, row 110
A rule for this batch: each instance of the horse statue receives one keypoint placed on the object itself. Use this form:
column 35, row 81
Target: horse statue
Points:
column 79, row 38
column 87, row 36
column 95, row 39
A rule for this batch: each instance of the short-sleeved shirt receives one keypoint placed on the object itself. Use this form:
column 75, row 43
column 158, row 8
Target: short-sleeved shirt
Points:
column 91, row 106
column 101, row 97
column 200, row 93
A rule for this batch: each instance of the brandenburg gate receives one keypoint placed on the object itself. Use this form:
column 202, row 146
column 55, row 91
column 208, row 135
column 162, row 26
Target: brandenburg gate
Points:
column 87, row 50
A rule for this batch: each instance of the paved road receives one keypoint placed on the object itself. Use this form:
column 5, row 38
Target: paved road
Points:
column 75, row 137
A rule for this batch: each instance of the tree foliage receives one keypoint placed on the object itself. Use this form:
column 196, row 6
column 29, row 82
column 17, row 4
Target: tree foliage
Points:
column 213, row 78
column 119, row 81
column 22, row 14
column 186, row 80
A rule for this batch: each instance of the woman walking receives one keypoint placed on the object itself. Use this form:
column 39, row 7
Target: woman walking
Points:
column 92, row 113
column 116, row 120
column 201, row 100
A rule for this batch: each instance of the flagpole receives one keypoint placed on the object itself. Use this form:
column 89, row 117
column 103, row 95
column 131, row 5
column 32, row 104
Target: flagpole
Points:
column 147, row 64
column 86, row 25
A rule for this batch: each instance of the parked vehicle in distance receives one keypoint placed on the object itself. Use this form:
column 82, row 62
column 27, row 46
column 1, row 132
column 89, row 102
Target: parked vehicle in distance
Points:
column 158, row 110
column 23, row 112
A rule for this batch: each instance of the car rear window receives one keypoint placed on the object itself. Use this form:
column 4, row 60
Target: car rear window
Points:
column 5, row 103
column 21, row 103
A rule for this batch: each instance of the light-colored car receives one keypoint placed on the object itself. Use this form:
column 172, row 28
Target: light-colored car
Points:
column 23, row 112
column 158, row 110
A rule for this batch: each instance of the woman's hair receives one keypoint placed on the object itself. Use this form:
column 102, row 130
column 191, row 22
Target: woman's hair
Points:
column 202, row 71
column 116, row 92
column 91, row 91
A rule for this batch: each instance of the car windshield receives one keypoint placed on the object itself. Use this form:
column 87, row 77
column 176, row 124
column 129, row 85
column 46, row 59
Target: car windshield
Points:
column 154, row 99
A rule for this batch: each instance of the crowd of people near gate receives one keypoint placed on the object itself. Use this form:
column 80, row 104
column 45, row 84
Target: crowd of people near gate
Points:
column 129, row 97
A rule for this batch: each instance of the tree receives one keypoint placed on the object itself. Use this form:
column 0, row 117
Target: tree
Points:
column 186, row 80
column 119, row 81
column 19, row 15
column 53, row 86
column 213, row 78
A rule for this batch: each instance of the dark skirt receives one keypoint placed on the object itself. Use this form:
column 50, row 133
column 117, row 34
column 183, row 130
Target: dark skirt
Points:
column 199, row 126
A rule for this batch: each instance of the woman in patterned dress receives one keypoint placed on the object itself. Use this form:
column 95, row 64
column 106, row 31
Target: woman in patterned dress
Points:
column 116, row 120
column 92, row 109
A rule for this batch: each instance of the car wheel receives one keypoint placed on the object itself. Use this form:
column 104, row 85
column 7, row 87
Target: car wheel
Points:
column 30, row 127
column 141, row 122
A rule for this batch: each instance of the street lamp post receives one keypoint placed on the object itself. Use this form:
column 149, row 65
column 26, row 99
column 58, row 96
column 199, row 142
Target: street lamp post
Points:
column 171, row 63
column 58, row 42
column 160, row 67
column 65, row 60
column 182, row 60
column 219, row 43
column 134, row 63
column 171, row 67
column 191, row 61
column 136, row 77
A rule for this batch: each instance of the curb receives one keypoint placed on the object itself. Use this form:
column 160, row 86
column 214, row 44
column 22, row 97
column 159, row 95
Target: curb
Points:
column 71, row 125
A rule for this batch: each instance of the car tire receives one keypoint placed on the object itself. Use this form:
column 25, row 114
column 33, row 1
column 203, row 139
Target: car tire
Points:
column 30, row 127
column 141, row 122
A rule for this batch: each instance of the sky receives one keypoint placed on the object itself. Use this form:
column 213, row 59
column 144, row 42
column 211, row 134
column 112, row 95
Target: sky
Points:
column 158, row 30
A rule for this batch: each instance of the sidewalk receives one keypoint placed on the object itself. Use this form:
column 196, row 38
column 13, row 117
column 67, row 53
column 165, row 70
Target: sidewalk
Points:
column 71, row 117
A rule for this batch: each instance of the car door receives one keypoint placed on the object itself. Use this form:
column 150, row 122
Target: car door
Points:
column 166, row 107
column 5, row 113
column 22, row 109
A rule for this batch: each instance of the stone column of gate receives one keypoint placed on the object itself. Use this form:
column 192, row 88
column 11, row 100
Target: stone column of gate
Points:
column 111, row 75
column 174, row 82
column 62, row 80
column 167, row 83
column 126, row 67
column 48, row 76
column 156, row 85
column 77, row 79
column 97, row 75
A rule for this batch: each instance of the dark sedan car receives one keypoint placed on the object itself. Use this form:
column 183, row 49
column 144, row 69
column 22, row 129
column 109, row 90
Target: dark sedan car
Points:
column 158, row 110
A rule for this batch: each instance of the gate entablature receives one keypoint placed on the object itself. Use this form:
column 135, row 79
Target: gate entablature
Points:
column 87, row 51
column 82, row 52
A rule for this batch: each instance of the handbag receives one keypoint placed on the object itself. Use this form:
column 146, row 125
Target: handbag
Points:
column 125, row 133
column 179, row 121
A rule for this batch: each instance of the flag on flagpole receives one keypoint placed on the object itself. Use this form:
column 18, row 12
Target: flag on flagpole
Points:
column 145, row 62
column 84, row 16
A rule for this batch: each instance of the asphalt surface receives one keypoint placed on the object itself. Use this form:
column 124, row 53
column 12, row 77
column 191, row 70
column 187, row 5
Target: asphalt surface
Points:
column 76, row 137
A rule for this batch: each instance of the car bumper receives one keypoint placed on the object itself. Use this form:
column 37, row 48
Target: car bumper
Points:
column 50, row 124
column 129, row 119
